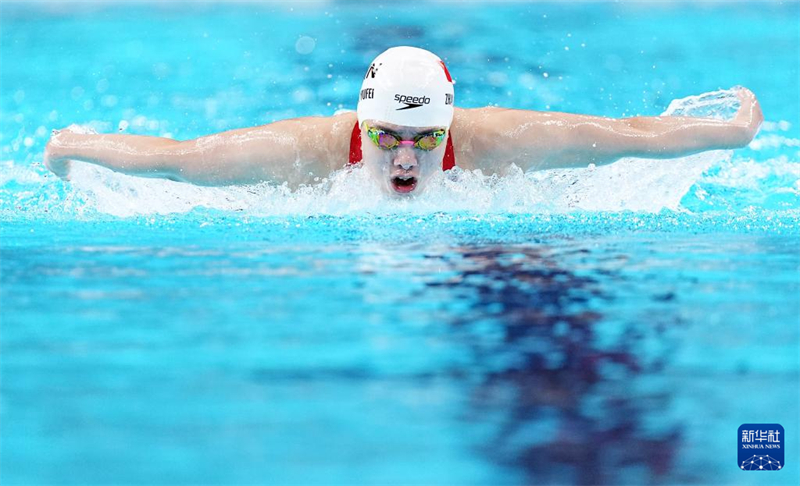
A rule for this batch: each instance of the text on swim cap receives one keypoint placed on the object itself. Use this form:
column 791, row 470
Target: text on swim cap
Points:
column 412, row 100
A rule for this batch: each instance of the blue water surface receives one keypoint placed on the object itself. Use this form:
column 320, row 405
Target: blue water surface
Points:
column 617, row 331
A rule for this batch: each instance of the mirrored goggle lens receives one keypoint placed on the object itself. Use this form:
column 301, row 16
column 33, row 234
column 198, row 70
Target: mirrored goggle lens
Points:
column 430, row 141
column 387, row 141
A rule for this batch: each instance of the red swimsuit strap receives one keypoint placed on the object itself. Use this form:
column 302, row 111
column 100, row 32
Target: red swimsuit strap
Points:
column 448, row 162
column 355, row 145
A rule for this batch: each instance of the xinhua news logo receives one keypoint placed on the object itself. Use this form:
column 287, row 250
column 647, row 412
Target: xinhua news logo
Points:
column 761, row 447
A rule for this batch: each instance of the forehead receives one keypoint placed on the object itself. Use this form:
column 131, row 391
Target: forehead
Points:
column 402, row 129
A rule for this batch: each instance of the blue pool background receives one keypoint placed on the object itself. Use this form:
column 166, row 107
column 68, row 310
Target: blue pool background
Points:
column 156, row 333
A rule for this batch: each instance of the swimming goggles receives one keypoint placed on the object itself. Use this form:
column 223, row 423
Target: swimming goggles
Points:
column 388, row 140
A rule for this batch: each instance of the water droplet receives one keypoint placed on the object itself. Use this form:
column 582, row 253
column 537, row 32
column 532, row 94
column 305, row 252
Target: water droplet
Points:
column 305, row 45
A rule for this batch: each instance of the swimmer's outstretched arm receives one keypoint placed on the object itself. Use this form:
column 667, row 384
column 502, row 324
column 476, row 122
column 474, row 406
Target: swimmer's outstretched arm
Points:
column 290, row 150
column 543, row 140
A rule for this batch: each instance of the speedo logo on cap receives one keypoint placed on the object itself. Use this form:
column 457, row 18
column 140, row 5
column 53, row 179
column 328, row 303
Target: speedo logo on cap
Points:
column 411, row 101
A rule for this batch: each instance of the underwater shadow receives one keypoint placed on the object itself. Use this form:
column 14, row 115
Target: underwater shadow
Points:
column 567, row 400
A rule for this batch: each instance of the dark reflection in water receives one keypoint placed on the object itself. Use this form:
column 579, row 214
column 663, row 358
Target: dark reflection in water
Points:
column 565, row 401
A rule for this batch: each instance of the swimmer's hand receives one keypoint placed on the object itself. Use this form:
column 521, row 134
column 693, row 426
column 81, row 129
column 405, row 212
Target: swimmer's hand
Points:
column 749, row 115
column 57, row 164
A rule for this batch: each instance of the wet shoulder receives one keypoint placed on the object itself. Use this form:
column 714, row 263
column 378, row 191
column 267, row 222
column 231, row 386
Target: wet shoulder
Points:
column 330, row 138
column 468, row 130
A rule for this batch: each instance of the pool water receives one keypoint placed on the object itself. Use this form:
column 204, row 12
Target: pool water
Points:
column 609, row 325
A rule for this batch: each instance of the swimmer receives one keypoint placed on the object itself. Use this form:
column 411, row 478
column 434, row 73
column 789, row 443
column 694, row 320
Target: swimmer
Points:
column 406, row 128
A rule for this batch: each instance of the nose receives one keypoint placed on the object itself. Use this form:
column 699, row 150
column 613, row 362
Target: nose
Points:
column 405, row 158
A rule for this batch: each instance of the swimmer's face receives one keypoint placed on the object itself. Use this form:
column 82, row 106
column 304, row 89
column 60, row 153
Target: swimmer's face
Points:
column 405, row 169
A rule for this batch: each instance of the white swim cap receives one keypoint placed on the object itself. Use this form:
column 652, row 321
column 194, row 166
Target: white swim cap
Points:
column 407, row 86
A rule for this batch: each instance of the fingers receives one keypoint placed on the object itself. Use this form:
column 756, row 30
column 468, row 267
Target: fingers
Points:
column 746, row 100
column 743, row 93
column 59, row 167
column 749, row 103
column 62, row 169
column 749, row 115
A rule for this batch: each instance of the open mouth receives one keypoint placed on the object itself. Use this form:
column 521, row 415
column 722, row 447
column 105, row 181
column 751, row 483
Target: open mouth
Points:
column 404, row 184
